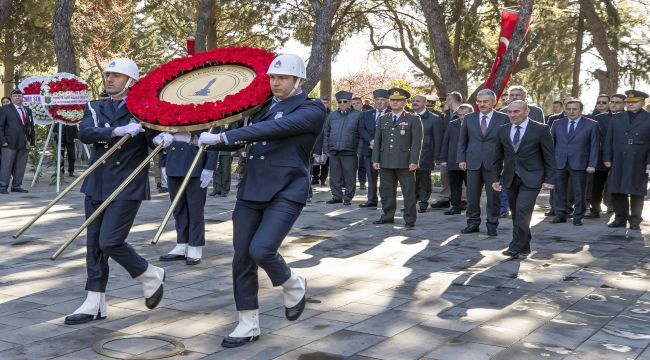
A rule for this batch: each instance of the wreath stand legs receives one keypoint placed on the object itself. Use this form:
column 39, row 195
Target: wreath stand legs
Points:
column 40, row 160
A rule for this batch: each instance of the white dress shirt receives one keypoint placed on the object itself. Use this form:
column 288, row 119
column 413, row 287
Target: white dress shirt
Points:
column 513, row 129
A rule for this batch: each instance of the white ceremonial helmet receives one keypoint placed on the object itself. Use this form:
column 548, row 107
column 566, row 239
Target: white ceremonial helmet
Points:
column 288, row 64
column 123, row 66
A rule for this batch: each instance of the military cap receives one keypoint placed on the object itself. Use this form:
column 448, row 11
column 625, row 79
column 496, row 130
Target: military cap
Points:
column 380, row 93
column 343, row 95
column 619, row 96
column 398, row 94
column 16, row 92
column 635, row 95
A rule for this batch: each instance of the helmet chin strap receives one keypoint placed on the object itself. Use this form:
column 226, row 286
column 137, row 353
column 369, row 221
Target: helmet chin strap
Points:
column 296, row 87
column 126, row 87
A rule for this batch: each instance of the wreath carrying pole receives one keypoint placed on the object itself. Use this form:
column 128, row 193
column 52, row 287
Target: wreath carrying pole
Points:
column 40, row 160
column 58, row 161
column 76, row 181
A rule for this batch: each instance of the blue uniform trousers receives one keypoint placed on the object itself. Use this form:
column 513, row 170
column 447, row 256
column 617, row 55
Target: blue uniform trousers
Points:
column 258, row 231
column 105, row 237
column 190, row 222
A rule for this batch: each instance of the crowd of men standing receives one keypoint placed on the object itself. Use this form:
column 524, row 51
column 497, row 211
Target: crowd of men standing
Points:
column 584, row 159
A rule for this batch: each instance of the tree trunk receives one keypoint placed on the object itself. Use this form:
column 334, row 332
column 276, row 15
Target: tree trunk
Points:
column 5, row 9
column 9, row 63
column 575, row 85
column 211, row 41
column 608, row 80
column 509, row 58
column 326, row 77
column 202, row 24
column 439, row 42
column 321, row 44
column 65, row 56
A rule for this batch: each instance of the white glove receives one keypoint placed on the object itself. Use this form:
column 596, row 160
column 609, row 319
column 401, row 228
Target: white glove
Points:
column 183, row 137
column 164, row 138
column 210, row 139
column 206, row 177
column 132, row 129
column 163, row 173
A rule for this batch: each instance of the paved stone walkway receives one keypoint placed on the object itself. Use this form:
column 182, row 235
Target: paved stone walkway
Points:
column 375, row 292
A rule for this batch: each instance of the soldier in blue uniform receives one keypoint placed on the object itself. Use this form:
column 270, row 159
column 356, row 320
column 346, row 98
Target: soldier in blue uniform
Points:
column 272, row 192
column 103, row 123
column 179, row 153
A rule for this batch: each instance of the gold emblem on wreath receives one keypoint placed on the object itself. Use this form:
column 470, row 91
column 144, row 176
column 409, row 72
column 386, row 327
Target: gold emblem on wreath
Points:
column 207, row 84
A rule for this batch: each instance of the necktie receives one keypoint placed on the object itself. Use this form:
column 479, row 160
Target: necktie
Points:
column 484, row 125
column 22, row 115
column 378, row 114
column 394, row 120
column 516, row 138
column 572, row 127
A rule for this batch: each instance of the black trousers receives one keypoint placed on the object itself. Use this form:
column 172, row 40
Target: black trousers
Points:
column 566, row 180
column 372, row 175
column 188, row 214
column 258, row 231
column 106, row 237
column 456, row 180
column 628, row 207
column 476, row 181
column 522, row 203
column 598, row 190
column 343, row 175
column 388, row 182
column 319, row 172
column 423, row 186
column 222, row 174
column 68, row 148
column 361, row 170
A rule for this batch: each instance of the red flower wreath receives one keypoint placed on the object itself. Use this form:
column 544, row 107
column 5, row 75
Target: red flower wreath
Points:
column 144, row 103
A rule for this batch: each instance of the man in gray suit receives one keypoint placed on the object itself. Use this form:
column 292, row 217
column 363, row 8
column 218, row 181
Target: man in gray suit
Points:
column 433, row 129
column 478, row 138
column 524, row 161
column 341, row 142
column 517, row 92
column 577, row 140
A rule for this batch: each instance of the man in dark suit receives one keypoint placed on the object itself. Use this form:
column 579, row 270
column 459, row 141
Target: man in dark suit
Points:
column 272, row 192
column 369, row 123
column 448, row 158
column 627, row 152
column 433, row 130
column 188, row 215
column 517, row 92
column 396, row 155
column 68, row 136
column 558, row 106
column 525, row 163
column 598, row 190
column 576, row 139
column 476, row 144
column 16, row 138
column 453, row 100
column 103, row 123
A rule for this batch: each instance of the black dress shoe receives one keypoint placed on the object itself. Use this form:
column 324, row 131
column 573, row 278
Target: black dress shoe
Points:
column 452, row 212
column 558, row 220
column 347, row 203
column 171, row 257
column 4, row 191
column 334, row 201
column 192, row 261
column 463, row 205
column 314, row 182
column 77, row 319
column 504, row 214
column 469, row 230
column 635, row 227
column 19, row 189
column 163, row 190
column 409, row 225
column 154, row 300
column 492, row 232
column 233, row 342
column 577, row 222
column 363, row 187
column 322, row 183
column 215, row 193
column 510, row 253
column 223, row 194
column 549, row 213
column 294, row 312
column 617, row 224
column 593, row 215
column 524, row 253
column 384, row 221
column 71, row 174
column 440, row 205
column 422, row 209
column 368, row 205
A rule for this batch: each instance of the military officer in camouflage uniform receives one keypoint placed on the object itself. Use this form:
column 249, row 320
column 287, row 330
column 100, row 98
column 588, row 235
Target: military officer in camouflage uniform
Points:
column 396, row 154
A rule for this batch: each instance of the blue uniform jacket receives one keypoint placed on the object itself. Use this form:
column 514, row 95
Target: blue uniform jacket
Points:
column 177, row 158
column 282, row 140
column 107, row 177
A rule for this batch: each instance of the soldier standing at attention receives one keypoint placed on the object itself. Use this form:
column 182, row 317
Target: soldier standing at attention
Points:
column 396, row 154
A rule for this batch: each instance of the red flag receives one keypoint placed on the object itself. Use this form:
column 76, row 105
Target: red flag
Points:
column 509, row 19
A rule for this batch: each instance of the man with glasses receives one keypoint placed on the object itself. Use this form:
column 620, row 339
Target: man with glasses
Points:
column 602, row 105
column 340, row 142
